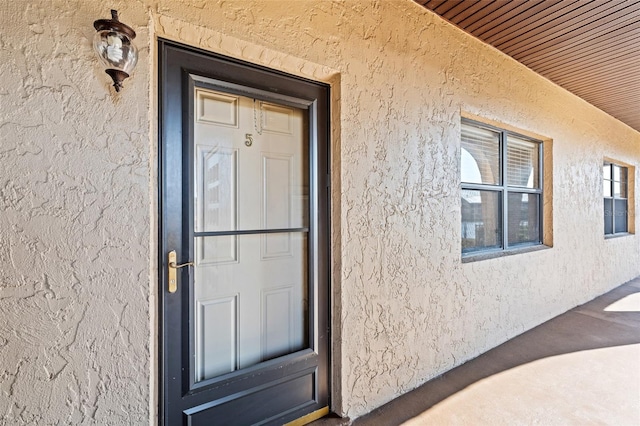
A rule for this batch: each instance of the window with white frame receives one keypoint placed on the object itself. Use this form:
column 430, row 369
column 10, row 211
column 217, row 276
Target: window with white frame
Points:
column 501, row 175
column 615, row 188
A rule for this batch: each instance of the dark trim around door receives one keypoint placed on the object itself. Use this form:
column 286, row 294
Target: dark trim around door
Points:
column 180, row 67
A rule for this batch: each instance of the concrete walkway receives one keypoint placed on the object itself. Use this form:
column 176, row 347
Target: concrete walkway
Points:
column 580, row 368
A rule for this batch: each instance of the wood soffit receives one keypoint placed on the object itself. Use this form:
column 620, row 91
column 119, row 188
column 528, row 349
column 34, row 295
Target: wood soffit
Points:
column 589, row 47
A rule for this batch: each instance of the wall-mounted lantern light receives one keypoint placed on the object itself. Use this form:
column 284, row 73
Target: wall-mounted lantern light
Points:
column 113, row 44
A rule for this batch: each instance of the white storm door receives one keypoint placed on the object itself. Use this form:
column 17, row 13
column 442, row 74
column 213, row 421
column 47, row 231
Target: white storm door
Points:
column 250, row 232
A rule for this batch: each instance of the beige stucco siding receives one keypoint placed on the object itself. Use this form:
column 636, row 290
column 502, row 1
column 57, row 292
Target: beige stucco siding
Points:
column 78, row 185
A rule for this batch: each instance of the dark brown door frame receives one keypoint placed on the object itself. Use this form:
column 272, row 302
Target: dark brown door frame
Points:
column 234, row 399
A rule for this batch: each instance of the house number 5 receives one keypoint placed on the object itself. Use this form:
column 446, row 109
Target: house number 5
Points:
column 249, row 139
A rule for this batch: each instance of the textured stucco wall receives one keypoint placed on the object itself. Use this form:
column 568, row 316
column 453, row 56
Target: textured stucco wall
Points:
column 78, row 183
column 74, row 222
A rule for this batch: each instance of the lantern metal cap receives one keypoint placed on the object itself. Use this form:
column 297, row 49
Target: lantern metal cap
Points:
column 118, row 77
column 114, row 24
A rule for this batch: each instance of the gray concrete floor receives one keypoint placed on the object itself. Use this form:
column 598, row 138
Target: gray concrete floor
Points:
column 580, row 368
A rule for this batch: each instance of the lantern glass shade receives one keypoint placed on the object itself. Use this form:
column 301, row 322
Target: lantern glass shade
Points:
column 115, row 50
column 114, row 46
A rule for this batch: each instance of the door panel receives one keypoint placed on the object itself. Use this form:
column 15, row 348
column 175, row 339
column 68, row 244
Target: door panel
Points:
column 216, row 203
column 264, row 406
column 217, row 328
column 244, row 196
column 254, row 149
column 255, row 288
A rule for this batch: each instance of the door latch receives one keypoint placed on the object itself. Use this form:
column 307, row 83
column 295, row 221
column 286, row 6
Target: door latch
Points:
column 173, row 267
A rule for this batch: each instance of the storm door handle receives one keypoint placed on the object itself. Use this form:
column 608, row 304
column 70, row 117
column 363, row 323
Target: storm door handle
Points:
column 173, row 267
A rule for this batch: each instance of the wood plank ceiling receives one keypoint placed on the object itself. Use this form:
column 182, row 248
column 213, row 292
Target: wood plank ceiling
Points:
column 589, row 47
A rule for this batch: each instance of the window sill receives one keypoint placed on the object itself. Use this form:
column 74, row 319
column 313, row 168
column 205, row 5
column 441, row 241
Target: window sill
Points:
column 475, row 257
column 618, row 235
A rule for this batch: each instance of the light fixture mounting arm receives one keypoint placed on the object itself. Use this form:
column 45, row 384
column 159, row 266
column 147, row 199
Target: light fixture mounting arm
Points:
column 115, row 25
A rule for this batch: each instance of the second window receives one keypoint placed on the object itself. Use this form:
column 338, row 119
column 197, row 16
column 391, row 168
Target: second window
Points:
column 615, row 199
